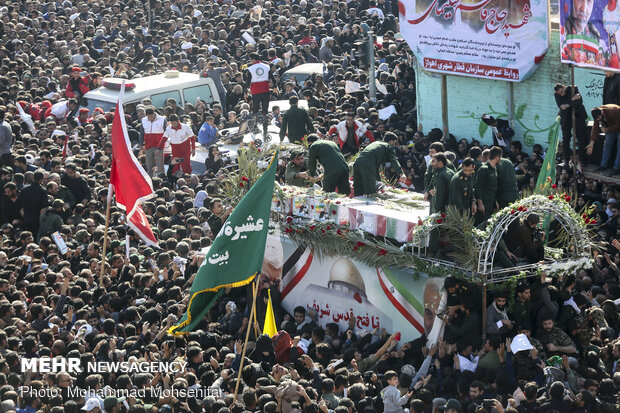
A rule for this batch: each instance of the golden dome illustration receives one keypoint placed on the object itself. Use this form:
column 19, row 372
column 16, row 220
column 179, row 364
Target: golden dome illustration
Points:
column 344, row 276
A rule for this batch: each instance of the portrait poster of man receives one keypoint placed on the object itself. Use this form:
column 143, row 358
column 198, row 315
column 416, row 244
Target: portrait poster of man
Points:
column 588, row 32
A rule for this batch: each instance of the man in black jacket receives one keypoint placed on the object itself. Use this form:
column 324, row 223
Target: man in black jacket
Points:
column 566, row 101
column 76, row 184
column 611, row 89
column 33, row 198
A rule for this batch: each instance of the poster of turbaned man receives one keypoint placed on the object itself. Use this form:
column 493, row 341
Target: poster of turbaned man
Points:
column 589, row 32
column 493, row 39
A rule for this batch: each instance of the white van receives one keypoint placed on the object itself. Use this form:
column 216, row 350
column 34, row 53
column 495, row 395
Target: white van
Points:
column 183, row 87
column 302, row 72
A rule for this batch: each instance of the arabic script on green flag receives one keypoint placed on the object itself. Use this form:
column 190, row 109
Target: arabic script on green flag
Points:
column 236, row 255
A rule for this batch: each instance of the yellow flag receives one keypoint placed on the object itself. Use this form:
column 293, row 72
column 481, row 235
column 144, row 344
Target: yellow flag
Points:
column 270, row 320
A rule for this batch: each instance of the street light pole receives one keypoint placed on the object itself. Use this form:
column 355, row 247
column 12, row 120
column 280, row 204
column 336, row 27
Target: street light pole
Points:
column 371, row 67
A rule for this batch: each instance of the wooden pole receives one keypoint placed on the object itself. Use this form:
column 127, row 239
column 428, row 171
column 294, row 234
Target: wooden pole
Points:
column 247, row 337
column 444, row 105
column 105, row 234
column 256, row 326
column 572, row 81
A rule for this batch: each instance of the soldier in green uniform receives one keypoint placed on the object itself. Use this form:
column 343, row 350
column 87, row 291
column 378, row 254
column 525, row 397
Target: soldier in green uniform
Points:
column 438, row 193
column 486, row 186
column 436, row 147
column 462, row 188
column 296, row 172
column 297, row 121
column 507, row 189
column 440, row 183
column 475, row 153
column 367, row 164
column 336, row 173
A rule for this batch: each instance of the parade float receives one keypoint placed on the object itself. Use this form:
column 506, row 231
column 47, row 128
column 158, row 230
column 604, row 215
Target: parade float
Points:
column 363, row 260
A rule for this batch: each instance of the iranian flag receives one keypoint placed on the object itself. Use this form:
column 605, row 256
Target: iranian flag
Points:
column 128, row 180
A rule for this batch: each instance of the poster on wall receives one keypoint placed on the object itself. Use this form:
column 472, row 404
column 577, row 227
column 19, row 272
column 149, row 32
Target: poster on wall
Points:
column 589, row 33
column 351, row 294
column 493, row 39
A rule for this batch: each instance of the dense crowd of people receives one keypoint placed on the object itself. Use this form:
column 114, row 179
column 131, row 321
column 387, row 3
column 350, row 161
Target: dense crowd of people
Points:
column 552, row 343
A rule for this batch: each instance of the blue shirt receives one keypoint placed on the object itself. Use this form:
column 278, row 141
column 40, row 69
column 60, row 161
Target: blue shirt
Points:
column 206, row 134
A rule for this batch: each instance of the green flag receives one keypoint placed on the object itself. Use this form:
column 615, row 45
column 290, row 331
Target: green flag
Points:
column 236, row 255
column 548, row 167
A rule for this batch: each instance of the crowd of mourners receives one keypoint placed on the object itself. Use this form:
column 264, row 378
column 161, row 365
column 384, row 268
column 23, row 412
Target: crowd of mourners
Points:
column 552, row 343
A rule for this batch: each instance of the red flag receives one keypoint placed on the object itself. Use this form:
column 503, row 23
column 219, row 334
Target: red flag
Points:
column 131, row 184
column 140, row 224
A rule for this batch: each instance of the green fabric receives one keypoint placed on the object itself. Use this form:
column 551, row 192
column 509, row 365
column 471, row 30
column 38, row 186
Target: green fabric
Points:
column 428, row 174
column 298, row 123
column 291, row 171
column 548, row 167
column 486, row 188
column 237, row 252
column 66, row 195
column 507, row 189
column 378, row 153
column 462, row 191
column 364, row 179
column 441, row 183
column 329, row 155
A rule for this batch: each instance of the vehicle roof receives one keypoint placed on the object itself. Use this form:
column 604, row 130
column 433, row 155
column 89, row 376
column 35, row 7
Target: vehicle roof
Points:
column 284, row 105
column 145, row 85
column 306, row 68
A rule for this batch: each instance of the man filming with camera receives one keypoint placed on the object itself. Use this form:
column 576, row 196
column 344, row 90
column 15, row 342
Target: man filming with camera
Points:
column 525, row 240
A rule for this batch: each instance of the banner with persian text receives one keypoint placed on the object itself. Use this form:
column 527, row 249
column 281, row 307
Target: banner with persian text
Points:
column 589, row 29
column 493, row 39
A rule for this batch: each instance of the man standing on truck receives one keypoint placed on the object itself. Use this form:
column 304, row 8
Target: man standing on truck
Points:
column 182, row 143
column 153, row 128
column 258, row 75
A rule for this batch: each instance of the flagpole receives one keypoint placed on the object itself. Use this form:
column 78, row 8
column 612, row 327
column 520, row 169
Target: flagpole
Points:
column 105, row 232
column 247, row 337
column 255, row 323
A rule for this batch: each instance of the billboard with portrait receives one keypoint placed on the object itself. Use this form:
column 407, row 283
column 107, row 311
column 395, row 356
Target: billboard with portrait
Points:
column 353, row 295
column 588, row 33
column 493, row 39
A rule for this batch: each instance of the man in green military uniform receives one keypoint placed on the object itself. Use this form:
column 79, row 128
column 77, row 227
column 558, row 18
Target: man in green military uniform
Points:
column 486, row 186
column 436, row 147
column 462, row 188
column 555, row 340
column 507, row 189
column 440, row 183
column 297, row 121
column 336, row 173
column 367, row 164
column 438, row 192
column 296, row 172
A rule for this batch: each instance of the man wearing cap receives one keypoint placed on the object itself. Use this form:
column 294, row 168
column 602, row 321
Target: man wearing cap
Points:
column 151, row 134
column 367, row 164
column 525, row 240
column 182, row 142
column 336, row 175
column 486, row 186
column 296, row 172
column 82, row 118
column 92, row 406
column 297, row 121
column 77, row 86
